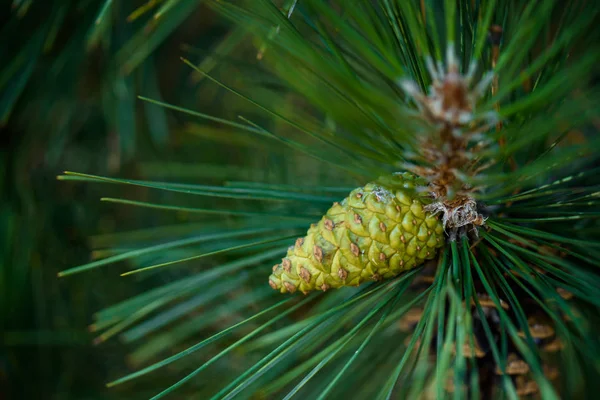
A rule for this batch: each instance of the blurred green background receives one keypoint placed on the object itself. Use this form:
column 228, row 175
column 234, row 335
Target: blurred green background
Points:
column 70, row 72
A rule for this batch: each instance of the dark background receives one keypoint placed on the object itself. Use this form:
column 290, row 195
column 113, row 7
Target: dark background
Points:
column 69, row 103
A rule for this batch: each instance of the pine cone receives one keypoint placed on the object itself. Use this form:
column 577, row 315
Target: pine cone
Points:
column 489, row 372
column 376, row 232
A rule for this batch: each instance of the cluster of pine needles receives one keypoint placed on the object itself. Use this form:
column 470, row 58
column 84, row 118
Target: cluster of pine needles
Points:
column 509, row 306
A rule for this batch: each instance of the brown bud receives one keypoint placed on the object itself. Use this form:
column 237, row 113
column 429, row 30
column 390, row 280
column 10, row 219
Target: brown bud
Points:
column 514, row 366
column 355, row 250
column 565, row 294
column 287, row 265
column 329, row 225
column 290, row 288
column 304, row 274
column 318, row 253
column 553, row 346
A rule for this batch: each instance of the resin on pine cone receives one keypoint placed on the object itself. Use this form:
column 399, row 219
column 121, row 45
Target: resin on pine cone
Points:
column 377, row 232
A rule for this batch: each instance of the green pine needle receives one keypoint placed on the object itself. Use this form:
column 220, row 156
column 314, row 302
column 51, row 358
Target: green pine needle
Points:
column 339, row 82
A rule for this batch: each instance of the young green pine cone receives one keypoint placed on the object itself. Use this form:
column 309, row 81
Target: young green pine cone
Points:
column 376, row 232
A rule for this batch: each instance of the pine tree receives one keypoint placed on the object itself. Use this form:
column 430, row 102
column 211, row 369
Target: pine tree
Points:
column 492, row 105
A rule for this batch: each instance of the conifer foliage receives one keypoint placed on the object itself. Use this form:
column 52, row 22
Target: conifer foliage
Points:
column 492, row 106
